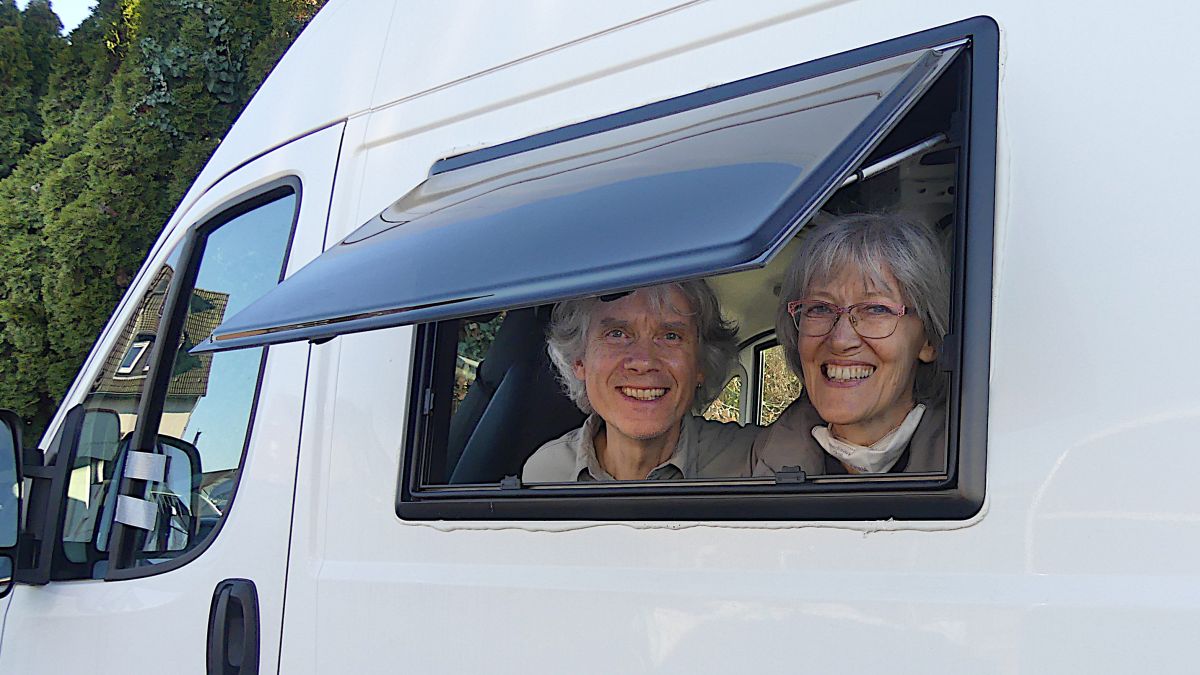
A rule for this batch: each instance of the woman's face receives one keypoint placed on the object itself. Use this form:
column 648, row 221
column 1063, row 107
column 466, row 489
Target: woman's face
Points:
column 862, row 387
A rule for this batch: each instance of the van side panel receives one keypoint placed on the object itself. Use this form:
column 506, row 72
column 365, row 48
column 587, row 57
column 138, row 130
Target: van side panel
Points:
column 1082, row 550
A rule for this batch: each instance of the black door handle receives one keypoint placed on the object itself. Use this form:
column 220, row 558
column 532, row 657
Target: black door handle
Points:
column 233, row 629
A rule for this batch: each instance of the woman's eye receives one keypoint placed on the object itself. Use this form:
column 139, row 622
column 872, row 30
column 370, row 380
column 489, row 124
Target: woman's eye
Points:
column 876, row 310
column 671, row 335
column 614, row 333
column 818, row 311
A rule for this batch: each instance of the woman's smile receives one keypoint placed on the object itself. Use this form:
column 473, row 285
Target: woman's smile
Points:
column 841, row 374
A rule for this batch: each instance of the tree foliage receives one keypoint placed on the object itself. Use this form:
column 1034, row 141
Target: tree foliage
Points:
column 101, row 133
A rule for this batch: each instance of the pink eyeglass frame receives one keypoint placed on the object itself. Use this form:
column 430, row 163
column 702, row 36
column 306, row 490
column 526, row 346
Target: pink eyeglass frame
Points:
column 899, row 310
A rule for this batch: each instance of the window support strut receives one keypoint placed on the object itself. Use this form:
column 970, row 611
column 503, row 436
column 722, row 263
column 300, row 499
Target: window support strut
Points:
column 894, row 159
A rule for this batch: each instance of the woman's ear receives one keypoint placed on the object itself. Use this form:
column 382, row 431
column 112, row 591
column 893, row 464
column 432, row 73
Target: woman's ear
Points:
column 580, row 372
column 928, row 353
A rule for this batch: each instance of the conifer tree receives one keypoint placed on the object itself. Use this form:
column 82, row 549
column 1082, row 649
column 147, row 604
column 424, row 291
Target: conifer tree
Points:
column 40, row 29
column 17, row 130
column 77, row 96
column 132, row 107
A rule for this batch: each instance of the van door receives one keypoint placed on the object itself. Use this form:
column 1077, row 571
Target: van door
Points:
column 171, row 545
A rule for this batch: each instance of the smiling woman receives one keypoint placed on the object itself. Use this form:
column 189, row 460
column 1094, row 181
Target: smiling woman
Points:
column 862, row 314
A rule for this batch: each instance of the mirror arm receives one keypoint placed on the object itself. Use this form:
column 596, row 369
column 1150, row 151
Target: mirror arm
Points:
column 44, row 504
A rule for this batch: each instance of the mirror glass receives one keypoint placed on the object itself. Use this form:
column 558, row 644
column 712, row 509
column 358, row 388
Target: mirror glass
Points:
column 9, row 486
column 90, row 479
column 6, row 575
column 177, row 498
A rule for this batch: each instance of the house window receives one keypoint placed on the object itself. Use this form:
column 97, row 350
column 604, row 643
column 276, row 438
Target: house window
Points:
column 133, row 364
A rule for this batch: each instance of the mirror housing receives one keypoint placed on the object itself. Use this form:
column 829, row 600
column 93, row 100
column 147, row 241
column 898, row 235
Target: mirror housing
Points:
column 176, row 498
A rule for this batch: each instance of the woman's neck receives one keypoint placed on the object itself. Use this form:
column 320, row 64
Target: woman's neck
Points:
column 868, row 433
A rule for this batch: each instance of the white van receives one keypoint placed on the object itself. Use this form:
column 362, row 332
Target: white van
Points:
column 297, row 446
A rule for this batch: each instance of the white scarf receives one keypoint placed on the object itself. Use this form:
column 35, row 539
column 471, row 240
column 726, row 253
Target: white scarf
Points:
column 882, row 455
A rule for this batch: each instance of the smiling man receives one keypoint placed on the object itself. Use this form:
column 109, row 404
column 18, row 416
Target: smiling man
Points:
column 639, row 364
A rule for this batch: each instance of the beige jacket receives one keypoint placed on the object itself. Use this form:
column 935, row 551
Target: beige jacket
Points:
column 789, row 442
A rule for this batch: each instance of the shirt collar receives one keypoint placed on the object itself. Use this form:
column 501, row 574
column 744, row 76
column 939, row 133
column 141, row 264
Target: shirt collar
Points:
column 681, row 463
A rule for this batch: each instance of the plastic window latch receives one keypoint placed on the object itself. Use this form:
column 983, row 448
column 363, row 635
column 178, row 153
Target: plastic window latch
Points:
column 136, row 512
column 790, row 474
column 510, row 483
column 146, row 466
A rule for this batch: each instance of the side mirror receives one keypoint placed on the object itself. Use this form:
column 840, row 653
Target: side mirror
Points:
column 175, row 499
column 10, row 496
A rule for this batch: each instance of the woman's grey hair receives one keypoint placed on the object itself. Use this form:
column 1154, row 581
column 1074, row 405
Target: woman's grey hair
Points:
column 876, row 244
column 566, row 338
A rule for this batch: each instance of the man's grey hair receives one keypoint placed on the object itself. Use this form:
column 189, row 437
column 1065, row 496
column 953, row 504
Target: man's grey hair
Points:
column 875, row 244
column 566, row 338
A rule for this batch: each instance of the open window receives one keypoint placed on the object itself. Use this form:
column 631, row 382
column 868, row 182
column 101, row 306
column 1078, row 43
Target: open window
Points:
column 720, row 185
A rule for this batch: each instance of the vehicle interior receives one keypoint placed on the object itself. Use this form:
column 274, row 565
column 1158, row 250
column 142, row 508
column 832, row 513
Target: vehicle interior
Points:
column 504, row 386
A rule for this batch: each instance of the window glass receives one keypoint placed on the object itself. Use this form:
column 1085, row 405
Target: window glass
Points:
column 475, row 338
column 727, row 407
column 777, row 386
column 208, row 403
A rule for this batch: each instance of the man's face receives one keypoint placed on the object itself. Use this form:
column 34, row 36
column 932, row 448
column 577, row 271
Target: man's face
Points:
column 641, row 366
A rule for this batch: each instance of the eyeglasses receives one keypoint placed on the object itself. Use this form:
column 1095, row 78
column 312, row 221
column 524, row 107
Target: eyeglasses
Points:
column 873, row 320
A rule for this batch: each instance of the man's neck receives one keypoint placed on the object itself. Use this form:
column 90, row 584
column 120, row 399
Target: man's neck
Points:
column 626, row 458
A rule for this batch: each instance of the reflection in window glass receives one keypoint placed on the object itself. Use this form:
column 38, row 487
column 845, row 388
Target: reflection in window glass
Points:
column 133, row 363
column 211, row 396
column 208, row 405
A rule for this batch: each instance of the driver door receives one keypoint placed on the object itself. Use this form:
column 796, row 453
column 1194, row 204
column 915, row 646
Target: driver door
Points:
column 171, row 537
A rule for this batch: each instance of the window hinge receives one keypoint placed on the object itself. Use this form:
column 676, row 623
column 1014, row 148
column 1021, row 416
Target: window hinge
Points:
column 427, row 401
column 790, row 474
column 510, row 483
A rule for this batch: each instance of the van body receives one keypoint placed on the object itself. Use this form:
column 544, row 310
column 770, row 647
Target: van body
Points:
column 251, row 473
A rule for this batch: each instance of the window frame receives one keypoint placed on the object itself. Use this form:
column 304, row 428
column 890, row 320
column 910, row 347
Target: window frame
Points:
column 125, row 543
column 956, row 495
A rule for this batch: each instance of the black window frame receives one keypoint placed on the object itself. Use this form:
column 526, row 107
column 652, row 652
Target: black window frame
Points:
column 958, row 495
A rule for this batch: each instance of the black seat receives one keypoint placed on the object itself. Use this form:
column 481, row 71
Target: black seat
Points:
column 513, row 406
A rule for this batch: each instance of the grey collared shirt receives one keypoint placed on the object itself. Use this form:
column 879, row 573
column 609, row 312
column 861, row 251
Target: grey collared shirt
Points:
column 705, row 449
